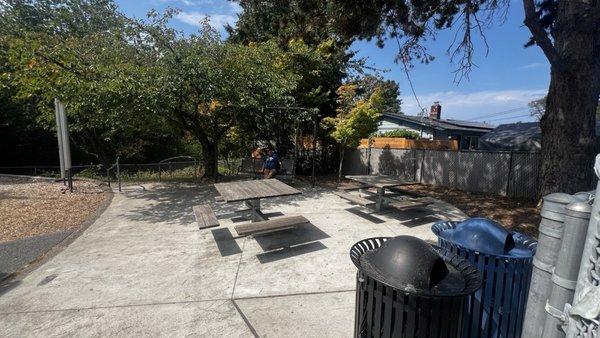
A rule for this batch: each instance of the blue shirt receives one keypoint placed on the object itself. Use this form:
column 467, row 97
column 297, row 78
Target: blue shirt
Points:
column 272, row 162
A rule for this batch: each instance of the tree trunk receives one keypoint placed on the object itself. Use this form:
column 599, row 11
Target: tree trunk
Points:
column 209, row 159
column 568, row 126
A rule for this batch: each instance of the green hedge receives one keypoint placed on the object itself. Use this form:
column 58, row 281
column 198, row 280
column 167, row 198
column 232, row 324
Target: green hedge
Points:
column 408, row 134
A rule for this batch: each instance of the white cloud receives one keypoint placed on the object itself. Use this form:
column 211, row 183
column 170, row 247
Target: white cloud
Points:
column 534, row 65
column 217, row 21
column 461, row 105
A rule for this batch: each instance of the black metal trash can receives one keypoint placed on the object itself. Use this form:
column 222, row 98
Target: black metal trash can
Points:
column 504, row 259
column 408, row 288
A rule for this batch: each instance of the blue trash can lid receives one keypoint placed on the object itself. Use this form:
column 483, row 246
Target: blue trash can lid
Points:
column 485, row 236
column 412, row 265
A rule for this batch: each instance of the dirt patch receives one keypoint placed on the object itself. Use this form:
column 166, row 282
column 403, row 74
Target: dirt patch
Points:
column 30, row 208
column 515, row 214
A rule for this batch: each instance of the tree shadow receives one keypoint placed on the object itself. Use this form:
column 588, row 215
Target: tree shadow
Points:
column 173, row 202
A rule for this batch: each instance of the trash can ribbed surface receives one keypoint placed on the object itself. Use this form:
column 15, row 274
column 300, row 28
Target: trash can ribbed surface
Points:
column 549, row 242
column 408, row 288
column 504, row 259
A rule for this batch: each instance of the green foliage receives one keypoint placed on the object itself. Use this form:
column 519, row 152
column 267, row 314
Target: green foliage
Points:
column 357, row 118
column 83, row 53
column 390, row 92
column 403, row 133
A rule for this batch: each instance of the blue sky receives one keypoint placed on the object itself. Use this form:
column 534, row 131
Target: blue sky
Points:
column 505, row 80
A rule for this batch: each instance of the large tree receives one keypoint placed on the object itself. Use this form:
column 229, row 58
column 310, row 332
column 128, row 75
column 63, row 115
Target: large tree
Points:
column 83, row 52
column 208, row 86
column 568, row 33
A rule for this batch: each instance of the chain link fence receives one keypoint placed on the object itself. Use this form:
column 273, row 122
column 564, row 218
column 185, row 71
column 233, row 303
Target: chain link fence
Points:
column 503, row 173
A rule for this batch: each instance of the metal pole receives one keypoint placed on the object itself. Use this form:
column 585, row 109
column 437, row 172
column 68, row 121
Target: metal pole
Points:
column 295, row 149
column 368, row 156
column 65, row 138
column 549, row 242
column 60, row 141
column 584, row 315
column 159, row 171
column 314, row 148
column 564, row 275
column 119, row 173
column 510, row 165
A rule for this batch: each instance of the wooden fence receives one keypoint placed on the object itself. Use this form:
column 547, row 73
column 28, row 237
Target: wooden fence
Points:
column 503, row 173
column 403, row 143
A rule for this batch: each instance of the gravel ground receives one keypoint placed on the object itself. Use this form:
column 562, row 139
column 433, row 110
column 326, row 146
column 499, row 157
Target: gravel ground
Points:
column 38, row 207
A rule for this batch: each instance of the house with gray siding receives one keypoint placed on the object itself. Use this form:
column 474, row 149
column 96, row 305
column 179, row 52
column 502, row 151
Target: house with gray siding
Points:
column 433, row 127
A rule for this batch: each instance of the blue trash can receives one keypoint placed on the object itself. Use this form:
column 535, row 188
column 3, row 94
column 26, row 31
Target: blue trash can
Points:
column 504, row 259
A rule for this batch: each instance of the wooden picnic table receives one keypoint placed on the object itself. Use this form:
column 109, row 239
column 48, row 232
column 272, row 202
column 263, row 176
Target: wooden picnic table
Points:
column 381, row 182
column 251, row 192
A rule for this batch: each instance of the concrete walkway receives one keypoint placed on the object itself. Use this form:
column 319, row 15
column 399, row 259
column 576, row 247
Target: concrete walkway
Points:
column 143, row 268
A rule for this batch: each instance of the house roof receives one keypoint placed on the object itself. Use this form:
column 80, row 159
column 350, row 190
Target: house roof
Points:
column 443, row 124
column 520, row 136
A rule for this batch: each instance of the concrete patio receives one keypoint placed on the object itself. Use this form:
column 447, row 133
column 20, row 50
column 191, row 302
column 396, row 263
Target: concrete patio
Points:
column 143, row 268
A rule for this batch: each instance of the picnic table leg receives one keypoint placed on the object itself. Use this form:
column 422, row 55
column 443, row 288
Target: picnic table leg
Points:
column 256, row 214
column 380, row 196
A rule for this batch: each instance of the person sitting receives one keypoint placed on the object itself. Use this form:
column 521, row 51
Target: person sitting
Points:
column 271, row 165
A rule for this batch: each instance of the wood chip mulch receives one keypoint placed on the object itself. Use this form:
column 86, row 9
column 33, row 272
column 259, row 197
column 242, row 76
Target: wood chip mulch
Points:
column 30, row 208
column 515, row 214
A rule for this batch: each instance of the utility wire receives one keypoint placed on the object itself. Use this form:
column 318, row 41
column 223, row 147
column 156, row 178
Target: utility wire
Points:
column 500, row 113
column 509, row 117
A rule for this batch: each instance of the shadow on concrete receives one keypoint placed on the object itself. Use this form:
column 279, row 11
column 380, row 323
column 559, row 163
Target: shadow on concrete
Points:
column 8, row 285
column 302, row 234
column 226, row 242
column 272, row 256
column 368, row 216
column 173, row 201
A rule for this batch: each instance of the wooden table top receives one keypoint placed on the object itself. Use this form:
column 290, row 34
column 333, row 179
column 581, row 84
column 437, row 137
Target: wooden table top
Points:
column 379, row 181
column 249, row 190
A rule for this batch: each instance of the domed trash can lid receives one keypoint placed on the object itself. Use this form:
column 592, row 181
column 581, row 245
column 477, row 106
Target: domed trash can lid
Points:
column 486, row 236
column 414, row 266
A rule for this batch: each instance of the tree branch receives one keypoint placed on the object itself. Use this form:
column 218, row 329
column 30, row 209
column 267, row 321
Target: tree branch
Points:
column 539, row 33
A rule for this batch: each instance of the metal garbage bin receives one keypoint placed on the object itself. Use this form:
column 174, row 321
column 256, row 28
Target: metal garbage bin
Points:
column 407, row 288
column 504, row 259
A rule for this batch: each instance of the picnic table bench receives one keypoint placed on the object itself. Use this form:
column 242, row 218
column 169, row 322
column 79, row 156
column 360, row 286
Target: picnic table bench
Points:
column 205, row 216
column 382, row 183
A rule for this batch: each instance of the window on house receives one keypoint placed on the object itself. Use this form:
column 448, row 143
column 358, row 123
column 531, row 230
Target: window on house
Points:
column 471, row 142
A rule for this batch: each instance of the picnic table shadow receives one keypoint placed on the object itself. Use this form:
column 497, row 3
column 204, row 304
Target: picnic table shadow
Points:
column 409, row 218
column 277, row 245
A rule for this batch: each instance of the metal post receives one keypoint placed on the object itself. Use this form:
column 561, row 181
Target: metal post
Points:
column 295, row 149
column 369, row 144
column 70, row 180
column 159, row 171
column 60, row 141
column 314, row 148
column 564, row 276
column 584, row 316
column 510, row 165
column 421, row 168
column 119, row 173
column 549, row 243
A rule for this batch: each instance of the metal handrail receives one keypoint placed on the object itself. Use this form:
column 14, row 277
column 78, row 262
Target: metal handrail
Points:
column 168, row 160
